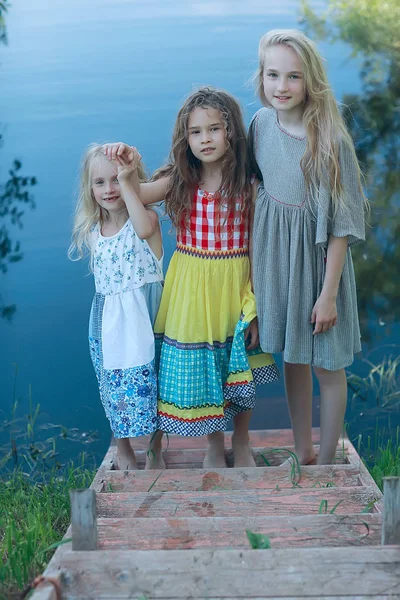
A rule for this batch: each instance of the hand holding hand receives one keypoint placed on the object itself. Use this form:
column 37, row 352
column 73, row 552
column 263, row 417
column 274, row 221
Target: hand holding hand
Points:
column 252, row 332
column 324, row 314
column 119, row 150
column 128, row 168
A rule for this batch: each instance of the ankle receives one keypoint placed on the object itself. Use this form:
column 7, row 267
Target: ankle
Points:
column 240, row 438
column 305, row 456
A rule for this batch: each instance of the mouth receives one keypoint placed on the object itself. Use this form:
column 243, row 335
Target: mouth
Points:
column 207, row 150
column 282, row 98
column 111, row 199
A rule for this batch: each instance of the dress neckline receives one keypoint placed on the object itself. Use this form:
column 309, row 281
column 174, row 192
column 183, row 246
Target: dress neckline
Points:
column 295, row 137
column 110, row 237
column 208, row 196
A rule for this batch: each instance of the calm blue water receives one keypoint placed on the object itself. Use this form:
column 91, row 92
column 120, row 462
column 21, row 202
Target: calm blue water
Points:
column 77, row 72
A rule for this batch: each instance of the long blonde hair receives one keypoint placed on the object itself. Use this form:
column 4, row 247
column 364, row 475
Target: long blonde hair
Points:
column 88, row 213
column 325, row 127
column 184, row 168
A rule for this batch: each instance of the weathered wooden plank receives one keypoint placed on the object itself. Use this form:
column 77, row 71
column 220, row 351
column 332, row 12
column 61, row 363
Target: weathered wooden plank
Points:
column 232, row 503
column 106, row 464
column 179, row 533
column 83, row 519
column 45, row 591
column 178, row 480
column 191, row 597
column 391, row 511
column 274, row 573
column 367, row 479
column 267, row 438
column 193, row 457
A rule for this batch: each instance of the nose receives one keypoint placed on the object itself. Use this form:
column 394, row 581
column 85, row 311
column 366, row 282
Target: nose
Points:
column 110, row 186
column 282, row 84
column 205, row 137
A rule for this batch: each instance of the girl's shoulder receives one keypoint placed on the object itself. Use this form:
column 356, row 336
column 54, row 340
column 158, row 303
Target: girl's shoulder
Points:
column 93, row 235
column 261, row 126
column 264, row 115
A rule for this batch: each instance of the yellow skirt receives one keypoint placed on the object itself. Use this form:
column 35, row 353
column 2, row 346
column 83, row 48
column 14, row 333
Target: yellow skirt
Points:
column 206, row 376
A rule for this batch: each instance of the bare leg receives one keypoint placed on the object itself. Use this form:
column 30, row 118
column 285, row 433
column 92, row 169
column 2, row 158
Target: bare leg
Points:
column 125, row 455
column 242, row 454
column 333, row 388
column 298, row 385
column 215, row 455
column 154, row 457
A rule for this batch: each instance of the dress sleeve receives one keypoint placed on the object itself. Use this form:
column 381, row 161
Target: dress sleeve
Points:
column 251, row 147
column 92, row 237
column 349, row 219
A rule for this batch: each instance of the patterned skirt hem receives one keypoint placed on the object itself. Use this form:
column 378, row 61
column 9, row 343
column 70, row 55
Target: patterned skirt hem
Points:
column 135, row 433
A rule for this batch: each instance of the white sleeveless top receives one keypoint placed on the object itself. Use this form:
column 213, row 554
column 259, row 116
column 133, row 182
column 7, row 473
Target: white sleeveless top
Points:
column 122, row 264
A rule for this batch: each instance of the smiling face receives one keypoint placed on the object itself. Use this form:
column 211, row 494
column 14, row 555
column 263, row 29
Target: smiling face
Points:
column 206, row 134
column 105, row 186
column 283, row 79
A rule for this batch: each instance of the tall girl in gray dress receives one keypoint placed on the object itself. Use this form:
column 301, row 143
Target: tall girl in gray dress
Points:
column 308, row 212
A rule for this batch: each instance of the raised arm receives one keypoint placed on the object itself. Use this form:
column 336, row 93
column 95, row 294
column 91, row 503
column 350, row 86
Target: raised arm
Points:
column 144, row 221
column 149, row 193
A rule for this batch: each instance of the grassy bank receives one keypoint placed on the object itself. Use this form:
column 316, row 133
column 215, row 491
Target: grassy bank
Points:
column 381, row 455
column 33, row 519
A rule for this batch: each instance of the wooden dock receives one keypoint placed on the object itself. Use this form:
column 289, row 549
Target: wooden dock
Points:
column 181, row 533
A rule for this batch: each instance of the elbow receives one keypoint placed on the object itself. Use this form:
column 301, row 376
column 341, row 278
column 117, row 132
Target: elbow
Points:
column 144, row 233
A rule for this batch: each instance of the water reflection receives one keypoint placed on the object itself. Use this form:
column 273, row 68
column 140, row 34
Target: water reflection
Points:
column 373, row 118
column 13, row 195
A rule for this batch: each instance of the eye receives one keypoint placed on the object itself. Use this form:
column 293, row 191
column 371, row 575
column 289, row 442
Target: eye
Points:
column 194, row 131
column 116, row 180
column 215, row 128
column 98, row 182
column 272, row 75
column 294, row 77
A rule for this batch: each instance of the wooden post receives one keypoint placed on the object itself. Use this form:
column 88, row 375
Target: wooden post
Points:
column 391, row 511
column 83, row 519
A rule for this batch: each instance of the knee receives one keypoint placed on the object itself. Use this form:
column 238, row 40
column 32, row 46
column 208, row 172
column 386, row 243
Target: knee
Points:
column 325, row 376
column 297, row 368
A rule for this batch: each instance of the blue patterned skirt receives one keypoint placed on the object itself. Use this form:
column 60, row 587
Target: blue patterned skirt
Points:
column 129, row 396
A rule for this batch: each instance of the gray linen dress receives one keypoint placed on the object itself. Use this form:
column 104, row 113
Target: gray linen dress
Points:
column 290, row 239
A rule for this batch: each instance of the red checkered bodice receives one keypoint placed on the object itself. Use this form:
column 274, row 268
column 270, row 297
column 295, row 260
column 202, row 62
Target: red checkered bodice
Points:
column 212, row 226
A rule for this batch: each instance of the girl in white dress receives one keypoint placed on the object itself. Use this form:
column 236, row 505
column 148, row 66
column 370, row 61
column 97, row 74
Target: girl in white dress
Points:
column 125, row 244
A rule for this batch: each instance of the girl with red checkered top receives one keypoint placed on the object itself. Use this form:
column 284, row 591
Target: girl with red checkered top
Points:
column 206, row 328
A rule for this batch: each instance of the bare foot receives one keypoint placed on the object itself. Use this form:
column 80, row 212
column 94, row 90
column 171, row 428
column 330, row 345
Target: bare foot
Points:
column 309, row 459
column 214, row 459
column 154, row 459
column 154, row 454
column 126, row 461
column 242, row 454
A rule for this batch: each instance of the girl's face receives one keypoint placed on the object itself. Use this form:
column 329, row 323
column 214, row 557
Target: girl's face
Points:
column 283, row 79
column 105, row 186
column 206, row 134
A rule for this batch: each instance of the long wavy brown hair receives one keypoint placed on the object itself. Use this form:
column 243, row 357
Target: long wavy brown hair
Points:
column 184, row 169
column 324, row 124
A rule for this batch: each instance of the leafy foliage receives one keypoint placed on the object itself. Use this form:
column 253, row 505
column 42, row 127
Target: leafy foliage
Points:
column 14, row 195
column 371, row 28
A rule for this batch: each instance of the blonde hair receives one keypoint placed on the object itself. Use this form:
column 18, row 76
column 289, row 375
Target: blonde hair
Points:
column 88, row 213
column 184, row 169
column 324, row 124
